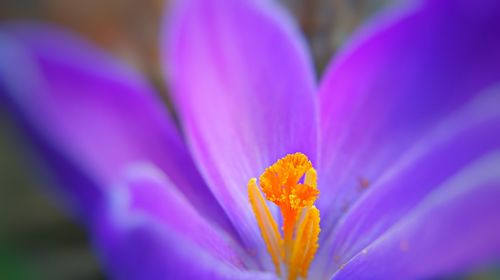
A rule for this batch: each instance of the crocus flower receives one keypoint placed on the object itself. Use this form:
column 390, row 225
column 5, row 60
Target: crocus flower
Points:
column 389, row 169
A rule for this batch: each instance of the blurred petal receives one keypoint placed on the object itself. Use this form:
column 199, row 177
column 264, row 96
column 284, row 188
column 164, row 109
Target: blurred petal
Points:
column 399, row 77
column 146, row 191
column 451, row 147
column 244, row 87
column 93, row 112
column 454, row 228
column 151, row 232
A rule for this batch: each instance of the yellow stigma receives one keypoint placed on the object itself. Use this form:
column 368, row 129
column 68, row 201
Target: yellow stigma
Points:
column 290, row 183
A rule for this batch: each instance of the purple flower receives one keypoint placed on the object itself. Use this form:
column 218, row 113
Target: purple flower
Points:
column 403, row 133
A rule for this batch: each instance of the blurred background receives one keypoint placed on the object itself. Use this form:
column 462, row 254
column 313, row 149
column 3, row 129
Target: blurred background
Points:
column 37, row 239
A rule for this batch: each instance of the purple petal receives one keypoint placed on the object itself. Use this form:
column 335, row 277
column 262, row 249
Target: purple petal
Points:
column 393, row 82
column 469, row 135
column 243, row 84
column 146, row 191
column 453, row 229
column 93, row 111
column 151, row 232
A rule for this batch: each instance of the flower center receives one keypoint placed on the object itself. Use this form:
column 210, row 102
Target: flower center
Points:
column 290, row 183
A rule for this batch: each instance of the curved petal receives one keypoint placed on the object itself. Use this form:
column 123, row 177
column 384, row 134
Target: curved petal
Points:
column 453, row 229
column 469, row 135
column 151, row 232
column 146, row 192
column 92, row 110
column 401, row 75
column 243, row 84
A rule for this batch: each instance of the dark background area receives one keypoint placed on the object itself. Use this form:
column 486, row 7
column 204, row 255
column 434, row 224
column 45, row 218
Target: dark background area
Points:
column 38, row 240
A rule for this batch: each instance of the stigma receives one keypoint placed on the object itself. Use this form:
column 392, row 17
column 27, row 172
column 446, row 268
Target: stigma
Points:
column 291, row 184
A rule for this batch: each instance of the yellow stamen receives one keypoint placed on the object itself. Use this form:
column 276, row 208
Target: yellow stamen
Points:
column 306, row 243
column 267, row 224
column 281, row 184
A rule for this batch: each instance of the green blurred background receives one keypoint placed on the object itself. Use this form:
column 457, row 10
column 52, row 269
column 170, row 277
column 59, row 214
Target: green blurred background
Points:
column 38, row 240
